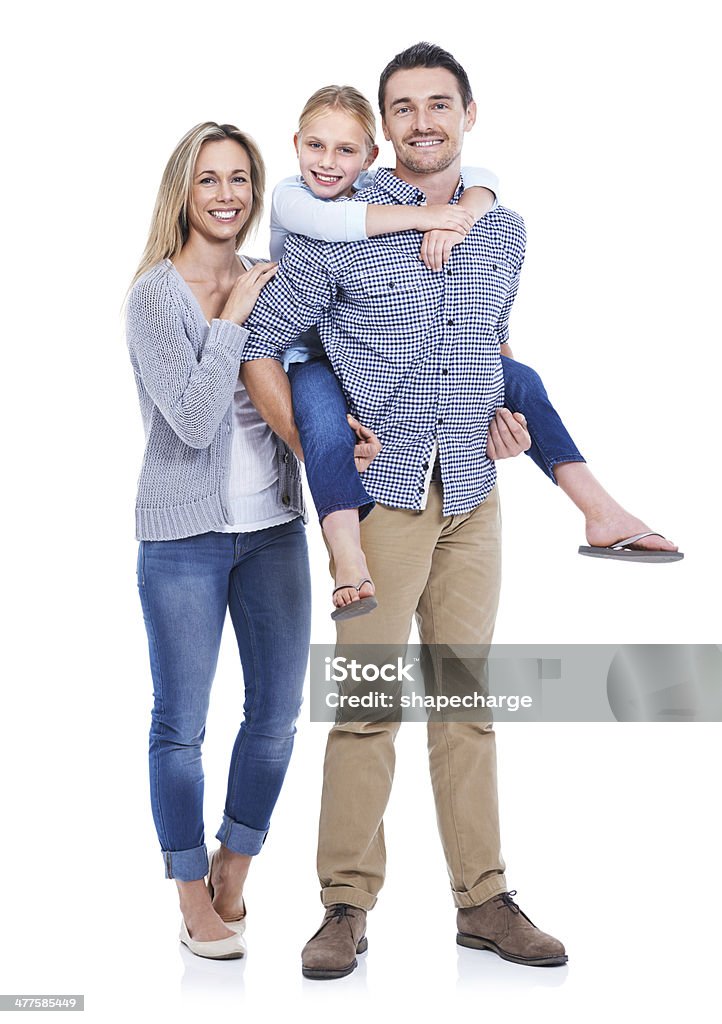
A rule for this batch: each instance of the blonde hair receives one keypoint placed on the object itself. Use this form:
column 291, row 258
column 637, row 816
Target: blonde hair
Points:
column 169, row 223
column 340, row 97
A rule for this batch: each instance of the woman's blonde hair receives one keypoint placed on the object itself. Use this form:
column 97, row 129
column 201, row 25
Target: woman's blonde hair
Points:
column 340, row 97
column 169, row 224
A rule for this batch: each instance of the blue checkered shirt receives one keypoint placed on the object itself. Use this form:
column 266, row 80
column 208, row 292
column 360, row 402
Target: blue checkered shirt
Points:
column 416, row 351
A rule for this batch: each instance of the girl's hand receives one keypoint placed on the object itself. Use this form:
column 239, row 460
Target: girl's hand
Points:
column 368, row 447
column 443, row 217
column 245, row 292
column 436, row 248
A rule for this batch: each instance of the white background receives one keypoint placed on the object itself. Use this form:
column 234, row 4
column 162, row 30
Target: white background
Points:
column 600, row 121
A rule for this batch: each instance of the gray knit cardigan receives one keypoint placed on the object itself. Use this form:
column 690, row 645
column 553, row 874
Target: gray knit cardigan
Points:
column 186, row 373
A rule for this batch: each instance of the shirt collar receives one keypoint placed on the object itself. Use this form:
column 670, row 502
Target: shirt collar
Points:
column 405, row 193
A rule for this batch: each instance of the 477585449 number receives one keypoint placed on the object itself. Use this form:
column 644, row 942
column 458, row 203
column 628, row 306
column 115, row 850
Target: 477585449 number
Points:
column 18, row 1001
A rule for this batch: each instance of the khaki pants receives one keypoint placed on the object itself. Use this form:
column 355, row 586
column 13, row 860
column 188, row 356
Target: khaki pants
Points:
column 446, row 571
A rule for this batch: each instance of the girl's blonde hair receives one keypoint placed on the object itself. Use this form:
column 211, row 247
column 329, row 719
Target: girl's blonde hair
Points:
column 340, row 97
column 169, row 224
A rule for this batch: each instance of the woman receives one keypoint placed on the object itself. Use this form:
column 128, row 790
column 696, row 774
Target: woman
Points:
column 220, row 520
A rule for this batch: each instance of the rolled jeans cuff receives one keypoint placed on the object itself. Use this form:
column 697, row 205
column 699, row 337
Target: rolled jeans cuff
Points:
column 186, row 865
column 241, row 838
column 551, row 463
column 482, row 892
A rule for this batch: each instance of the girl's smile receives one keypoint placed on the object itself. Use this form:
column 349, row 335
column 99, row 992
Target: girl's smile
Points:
column 332, row 151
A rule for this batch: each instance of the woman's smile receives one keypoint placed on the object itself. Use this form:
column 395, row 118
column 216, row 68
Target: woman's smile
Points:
column 225, row 215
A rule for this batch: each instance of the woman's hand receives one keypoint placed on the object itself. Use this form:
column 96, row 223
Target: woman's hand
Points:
column 245, row 292
column 368, row 447
column 436, row 248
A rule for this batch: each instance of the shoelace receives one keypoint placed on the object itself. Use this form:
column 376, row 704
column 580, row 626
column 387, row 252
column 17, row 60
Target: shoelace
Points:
column 338, row 912
column 506, row 900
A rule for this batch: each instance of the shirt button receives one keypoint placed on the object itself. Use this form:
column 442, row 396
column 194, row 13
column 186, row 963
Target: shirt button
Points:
column 286, row 500
column 440, row 421
column 449, row 273
column 450, row 323
column 494, row 266
column 425, row 465
column 421, row 490
column 444, row 372
column 228, row 428
column 285, row 457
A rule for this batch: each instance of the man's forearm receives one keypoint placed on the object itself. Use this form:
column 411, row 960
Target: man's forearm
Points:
column 269, row 389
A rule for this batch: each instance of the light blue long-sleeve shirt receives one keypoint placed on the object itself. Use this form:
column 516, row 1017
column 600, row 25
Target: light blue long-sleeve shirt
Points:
column 296, row 210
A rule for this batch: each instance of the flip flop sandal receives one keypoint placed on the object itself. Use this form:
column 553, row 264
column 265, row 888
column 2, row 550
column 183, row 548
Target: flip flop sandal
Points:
column 360, row 607
column 624, row 551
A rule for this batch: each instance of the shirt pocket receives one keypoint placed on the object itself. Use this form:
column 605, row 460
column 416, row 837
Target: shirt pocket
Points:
column 490, row 277
column 395, row 310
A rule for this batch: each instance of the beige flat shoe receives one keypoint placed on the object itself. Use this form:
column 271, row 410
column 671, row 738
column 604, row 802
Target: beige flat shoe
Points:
column 238, row 926
column 231, row 948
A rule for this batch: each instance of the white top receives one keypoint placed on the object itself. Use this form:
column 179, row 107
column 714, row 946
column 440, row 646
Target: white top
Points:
column 253, row 500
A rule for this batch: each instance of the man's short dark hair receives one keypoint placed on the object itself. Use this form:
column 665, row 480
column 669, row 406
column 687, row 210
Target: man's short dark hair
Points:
column 425, row 55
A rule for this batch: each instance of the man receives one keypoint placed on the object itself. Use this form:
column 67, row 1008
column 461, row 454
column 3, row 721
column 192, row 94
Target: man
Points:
column 417, row 353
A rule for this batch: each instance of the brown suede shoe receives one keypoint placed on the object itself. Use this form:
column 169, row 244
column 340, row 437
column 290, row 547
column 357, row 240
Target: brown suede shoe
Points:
column 331, row 952
column 501, row 926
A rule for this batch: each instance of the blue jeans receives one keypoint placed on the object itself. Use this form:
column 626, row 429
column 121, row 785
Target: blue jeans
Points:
column 550, row 441
column 185, row 588
column 319, row 408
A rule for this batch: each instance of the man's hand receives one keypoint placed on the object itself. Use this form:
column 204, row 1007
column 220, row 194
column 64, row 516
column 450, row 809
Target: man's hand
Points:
column 508, row 435
column 368, row 447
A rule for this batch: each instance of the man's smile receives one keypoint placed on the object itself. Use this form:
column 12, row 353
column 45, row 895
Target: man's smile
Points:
column 425, row 142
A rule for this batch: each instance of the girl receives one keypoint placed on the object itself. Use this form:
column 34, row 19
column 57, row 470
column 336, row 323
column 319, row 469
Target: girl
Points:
column 335, row 145
column 220, row 521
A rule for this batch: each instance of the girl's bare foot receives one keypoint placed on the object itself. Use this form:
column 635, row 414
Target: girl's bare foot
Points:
column 611, row 526
column 344, row 539
column 349, row 594
column 606, row 521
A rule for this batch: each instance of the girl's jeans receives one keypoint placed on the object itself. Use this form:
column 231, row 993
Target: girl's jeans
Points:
column 550, row 440
column 319, row 408
column 185, row 588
